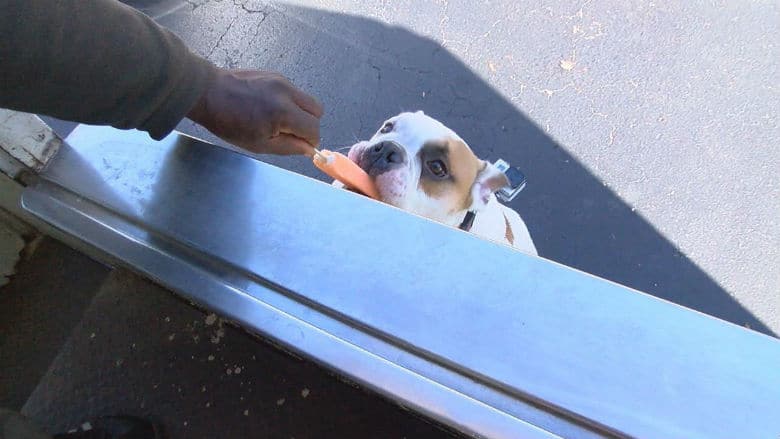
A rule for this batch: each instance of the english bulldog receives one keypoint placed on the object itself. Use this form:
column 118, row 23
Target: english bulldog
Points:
column 421, row 166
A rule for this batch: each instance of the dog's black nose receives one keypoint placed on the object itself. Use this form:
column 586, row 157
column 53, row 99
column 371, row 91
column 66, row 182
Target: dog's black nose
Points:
column 385, row 155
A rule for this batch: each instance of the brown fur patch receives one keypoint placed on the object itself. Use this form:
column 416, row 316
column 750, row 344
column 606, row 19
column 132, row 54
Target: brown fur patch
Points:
column 463, row 168
column 508, row 234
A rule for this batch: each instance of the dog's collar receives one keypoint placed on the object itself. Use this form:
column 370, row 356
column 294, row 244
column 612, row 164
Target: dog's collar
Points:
column 468, row 221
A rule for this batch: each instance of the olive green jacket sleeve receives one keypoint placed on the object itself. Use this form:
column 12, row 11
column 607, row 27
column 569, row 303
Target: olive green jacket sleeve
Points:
column 96, row 62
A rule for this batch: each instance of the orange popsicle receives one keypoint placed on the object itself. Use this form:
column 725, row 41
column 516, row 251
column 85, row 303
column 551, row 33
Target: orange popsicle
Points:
column 341, row 168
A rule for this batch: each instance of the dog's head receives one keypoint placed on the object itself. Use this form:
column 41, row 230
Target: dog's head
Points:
column 421, row 166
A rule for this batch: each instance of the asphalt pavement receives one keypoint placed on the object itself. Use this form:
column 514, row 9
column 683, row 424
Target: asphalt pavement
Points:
column 647, row 130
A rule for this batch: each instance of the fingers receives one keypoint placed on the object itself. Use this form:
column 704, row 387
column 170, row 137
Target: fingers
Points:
column 301, row 124
column 307, row 102
column 260, row 111
column 286, row 144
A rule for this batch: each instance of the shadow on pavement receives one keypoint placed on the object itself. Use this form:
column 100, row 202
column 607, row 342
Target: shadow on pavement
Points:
column 366, row 71
column 369, row 71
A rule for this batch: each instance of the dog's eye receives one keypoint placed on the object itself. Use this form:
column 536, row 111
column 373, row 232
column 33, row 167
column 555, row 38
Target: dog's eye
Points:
column 438, row 168
column 386, row 128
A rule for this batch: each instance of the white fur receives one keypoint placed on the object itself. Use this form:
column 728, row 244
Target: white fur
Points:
column 400, row 187
column 490, row 224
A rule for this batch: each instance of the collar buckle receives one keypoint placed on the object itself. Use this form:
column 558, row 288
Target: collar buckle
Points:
column 468, row 221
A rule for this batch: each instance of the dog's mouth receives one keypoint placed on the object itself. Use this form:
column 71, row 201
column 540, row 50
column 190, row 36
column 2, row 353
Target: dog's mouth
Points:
column 355, row 153
column 364, row 164
column 358, row 156
column 379, row 158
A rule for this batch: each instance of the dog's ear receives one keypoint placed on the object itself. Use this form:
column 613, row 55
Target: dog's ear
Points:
column 488, row 181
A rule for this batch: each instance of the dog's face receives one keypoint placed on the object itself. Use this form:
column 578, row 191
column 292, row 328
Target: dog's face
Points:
column 421, row 166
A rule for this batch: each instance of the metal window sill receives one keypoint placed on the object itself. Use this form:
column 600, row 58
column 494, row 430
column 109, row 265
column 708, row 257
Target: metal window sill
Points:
column 389, row 300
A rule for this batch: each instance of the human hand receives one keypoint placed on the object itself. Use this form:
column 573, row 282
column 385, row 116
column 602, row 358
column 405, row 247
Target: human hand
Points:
column 259, row 111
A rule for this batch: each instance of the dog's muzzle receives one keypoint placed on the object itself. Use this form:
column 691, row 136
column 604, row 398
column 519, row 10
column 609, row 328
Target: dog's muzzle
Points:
column 382, row 157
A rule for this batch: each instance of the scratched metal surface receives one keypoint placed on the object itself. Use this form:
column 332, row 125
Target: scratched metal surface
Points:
column 412, row 309
column 647, row 130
